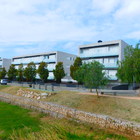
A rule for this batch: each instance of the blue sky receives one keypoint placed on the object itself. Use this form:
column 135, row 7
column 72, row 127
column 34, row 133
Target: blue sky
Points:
column 35, row 26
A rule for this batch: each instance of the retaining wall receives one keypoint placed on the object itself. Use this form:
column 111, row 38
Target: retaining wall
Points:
column 103, row 121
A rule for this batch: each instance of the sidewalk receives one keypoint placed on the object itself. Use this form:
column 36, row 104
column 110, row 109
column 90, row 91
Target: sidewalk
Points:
column 124, row 97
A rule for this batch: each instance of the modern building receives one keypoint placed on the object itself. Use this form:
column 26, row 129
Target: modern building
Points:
column 108, row 53
column 5, row 63
column 51, row 58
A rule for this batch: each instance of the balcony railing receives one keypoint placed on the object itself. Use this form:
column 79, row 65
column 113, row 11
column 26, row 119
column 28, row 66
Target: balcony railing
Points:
column 100, row 54
column 51, row 77
column 112, row 77
column 50, row 69
column 110, row 65
column 27, row 62
column 49, row 60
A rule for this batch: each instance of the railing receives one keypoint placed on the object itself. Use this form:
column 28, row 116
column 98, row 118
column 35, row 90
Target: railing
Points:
column 110, row 65
column 112, row 77
column 51, row 77
column 27, row 62
column 98, row 54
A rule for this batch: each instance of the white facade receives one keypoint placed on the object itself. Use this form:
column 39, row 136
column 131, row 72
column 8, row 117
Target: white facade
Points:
column 51, row 58
column 5, row 63
column 107, row 53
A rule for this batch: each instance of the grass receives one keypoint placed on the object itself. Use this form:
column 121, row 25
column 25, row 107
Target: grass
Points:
column 14, row 118
column 17, row 123
column 116, row 107
column 126, row 109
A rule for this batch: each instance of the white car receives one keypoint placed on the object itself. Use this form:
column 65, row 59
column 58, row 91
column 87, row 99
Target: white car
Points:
column 3, row 81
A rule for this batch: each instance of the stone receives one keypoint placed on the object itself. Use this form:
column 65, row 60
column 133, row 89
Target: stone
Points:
column 44, row 94
column 38, row 98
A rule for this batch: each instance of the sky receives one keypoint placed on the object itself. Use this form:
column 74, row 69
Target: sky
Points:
column 36, row 26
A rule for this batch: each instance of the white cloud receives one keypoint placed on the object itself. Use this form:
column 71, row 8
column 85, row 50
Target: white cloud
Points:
column 134, row 35
column 29, row 22
column 130, row 9
column 101, row 7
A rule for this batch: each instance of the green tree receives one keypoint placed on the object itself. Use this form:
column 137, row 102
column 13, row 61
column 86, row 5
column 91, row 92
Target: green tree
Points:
column 30, row 72
column 73, row 68
column 92, row 75
column 59, row 72
column 12, row 72
column 2, row 73
column 43, row 71
column 20, row 73
column 79, row 74
column 129, row 68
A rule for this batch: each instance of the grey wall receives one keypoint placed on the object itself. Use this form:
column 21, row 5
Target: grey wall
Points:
column 67, row 62
column 6, row 63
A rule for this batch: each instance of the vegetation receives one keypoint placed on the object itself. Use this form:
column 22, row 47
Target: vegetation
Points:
column 59, row 72
column 15, row 118
column 30, row 72
column 129, row 68
column 2, row 73
column 23, row 124
column 75, row 67
column 12, row 72
column 20, row 73
column 127, row 109
column 43, row 71
column 92, row 75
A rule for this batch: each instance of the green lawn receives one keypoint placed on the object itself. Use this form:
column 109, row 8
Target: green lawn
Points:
column 17, row 123
column 15, row 118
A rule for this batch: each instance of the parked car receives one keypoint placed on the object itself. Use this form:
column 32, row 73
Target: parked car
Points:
column 3, row 81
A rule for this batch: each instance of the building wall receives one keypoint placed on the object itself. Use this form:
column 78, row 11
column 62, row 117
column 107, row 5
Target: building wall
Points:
column 5, row 63
column 107, row 53
column 68, row 60
column 50, row 58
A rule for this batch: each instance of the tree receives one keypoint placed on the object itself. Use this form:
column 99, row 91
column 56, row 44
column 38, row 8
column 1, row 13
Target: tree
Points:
column 92, row 75
column 43, row 71
column 30, row 72
column 20, row 73
column 79, row 74
column 129, row 68
column 2, row 73
column 59, row 72
column 75, row 67
column 12, row 72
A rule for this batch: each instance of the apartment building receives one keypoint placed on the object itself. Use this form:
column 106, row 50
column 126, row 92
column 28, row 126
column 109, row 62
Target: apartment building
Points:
column 5, row 63
column 51, row 58
column 108, row 53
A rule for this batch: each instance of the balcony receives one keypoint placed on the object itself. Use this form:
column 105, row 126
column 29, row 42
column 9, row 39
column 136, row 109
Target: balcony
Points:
column 110, row 65
column 113, row 77
column 50, row 68
column 100, row 54
column 36, row 62
column 49, row 60
column 51, row 77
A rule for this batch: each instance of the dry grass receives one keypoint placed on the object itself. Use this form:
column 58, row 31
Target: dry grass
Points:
column 126, row 109
column 14, row 89
column 120, row 108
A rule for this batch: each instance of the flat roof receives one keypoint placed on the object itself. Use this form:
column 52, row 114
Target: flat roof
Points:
column 101, row 43
column 40, row 54
column 37, row 54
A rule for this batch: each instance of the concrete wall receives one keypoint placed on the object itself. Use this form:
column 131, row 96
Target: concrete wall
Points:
column 68, row 60
column 6, row 63
column 69, row 113
column 123, row 46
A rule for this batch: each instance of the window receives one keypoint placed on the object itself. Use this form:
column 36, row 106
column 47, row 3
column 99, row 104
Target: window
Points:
column 81, row 51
